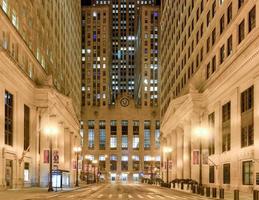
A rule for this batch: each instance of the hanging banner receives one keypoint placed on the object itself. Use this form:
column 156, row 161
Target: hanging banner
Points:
column 205, row 157
column 56, row 157
column 74, row 165
column 80, row 164
column 196, row 157
column 170, row 164
column 46, row 156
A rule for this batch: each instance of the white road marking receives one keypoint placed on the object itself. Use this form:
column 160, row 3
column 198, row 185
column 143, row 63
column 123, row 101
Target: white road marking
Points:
column 129, row 196
column 139, row 196
column 150, row 197
column 180, row 197
column 53, row 196
column 160, row 197
column 171, row 197
column 110, row 196
column 100, row 196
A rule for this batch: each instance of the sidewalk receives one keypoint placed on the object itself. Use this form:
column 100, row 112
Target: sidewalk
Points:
column 35, row 192
column 228, row 195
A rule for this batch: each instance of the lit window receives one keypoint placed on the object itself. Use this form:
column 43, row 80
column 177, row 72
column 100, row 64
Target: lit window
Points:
column 5, row 6
column 113, row 142
column 14, row 19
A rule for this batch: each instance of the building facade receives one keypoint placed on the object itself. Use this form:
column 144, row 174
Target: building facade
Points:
column 123, row 139
column 121, row 133
column 36, row 77
column 209, row 90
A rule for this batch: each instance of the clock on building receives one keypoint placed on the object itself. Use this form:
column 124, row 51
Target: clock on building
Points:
column 124, row 102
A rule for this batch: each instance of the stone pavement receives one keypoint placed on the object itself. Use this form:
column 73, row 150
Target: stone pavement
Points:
column 33, row 192
column 228, row 195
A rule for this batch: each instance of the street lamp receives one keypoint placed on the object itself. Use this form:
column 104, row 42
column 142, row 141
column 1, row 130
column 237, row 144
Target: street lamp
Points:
column 201, row 133
column 77, row 150
column 50, row 132
column 167, row 150
column 94, row 163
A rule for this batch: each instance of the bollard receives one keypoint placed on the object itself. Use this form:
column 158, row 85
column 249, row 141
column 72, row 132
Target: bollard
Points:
column 207, row 192
column 198, row 189
column 214, row 192
column 202, row 190
column 221, row 193
column 193, row 188
column 255, row 195
column 236, row 194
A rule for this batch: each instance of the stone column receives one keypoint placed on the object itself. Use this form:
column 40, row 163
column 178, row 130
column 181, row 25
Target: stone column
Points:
column 60, row 145
column 179, row 146
column 173, row 155
column 187, row 150
column 194, row 145
column 67, row 148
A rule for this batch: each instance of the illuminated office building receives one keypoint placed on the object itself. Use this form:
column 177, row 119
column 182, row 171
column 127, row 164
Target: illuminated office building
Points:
column 120, row 132
column 40, row 67
column 209, row 91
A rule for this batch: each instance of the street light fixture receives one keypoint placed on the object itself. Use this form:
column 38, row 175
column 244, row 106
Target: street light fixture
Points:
column 50, row 132
column 77, row 150
column 167, row 150
column 201, row 133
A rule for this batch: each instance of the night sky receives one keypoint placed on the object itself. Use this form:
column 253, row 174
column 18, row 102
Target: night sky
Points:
column 88, row 2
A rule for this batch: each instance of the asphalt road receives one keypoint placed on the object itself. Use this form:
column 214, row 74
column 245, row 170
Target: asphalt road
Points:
column 120, row 191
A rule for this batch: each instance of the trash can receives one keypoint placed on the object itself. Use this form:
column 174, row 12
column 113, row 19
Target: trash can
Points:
column 221, row 193
column 255, row 195
column 214, row 192
column 202, row 190
column 236, row 194
column 208, row 192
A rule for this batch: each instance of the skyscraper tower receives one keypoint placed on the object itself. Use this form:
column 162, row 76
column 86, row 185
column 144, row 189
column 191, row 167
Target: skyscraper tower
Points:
column 119, row 62
column 123, row 44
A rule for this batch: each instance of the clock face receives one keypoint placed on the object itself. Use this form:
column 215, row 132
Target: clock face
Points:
column 124, row 102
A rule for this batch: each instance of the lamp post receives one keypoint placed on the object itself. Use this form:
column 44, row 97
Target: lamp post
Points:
column 167, row 150
column 94, row 163
column 77, row 150
column 201, row 133
column 50, row 131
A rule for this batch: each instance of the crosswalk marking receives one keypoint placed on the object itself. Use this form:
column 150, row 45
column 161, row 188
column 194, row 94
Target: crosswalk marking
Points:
column 139, row 196
column 179, row 197
column 160, row 197
column 171, row 197
column 150, row 196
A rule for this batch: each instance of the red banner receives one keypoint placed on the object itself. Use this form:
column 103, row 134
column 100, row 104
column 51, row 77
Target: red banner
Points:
column 196, row 157
column 46, row 156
